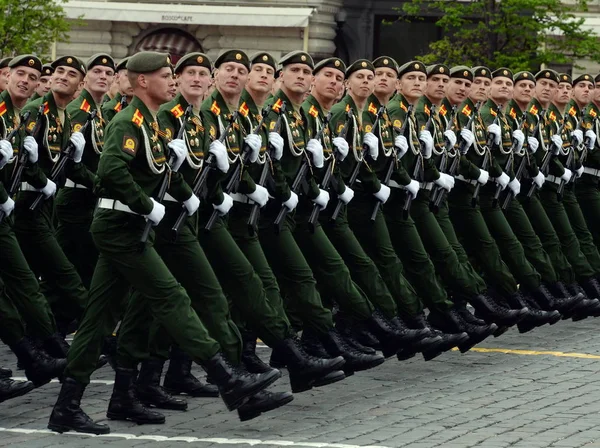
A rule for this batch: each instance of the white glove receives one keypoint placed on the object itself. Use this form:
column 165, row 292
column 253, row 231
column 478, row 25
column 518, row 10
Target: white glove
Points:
column 592, row 136
column 383, row 194
column 495, row 130
column 292, row 202
column 276, row 142
column 520, row 138
column 31, row 147
column 539, row 179
column 179, row 151
column 533, row 144
column 515, row 186
column 192, row 204
column 6, row 152
column 322, row 200
column 502, row 180
column 451, row 136
column 260, row 195
column 219, row 150
column 49, row 189
column 372, row 142
column 342, row 147
column 224, row 207
column 468, row 137
column 78, row 141
column 401, row 145
column 484, row 176
column 254, row 142
column 579, row 172
column 567, row 176
column 413, row 188
column 347, row 195
column 157, row 213
column 7, row 207
column 578, row 134
column 445, row 181
column 426, row 143
column 557, row 141
column 316, row 149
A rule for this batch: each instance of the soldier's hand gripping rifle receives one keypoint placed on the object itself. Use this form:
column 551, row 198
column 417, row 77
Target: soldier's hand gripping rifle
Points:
column 66, row 155
column 243, row 159
column 314, row 215
column 418, row 166
column 569, row 164
column 391, row 163
column 202, row 177
column 554, row 150
column 262, row 180
column 487, row 157
column 356, row 170
column 437, row 190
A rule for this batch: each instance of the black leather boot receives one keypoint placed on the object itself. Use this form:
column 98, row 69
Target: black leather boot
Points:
column 431, row 346
column 67, row 414
column 264, row 401
column 150, row 392
column 477, row 329
column 249, row 357
column 336, row 345
column 492, row 311
column 549, row 302
column 179, row 378
column 391, row 338
column 360, row 333
column 124, row 404
column 591, row 286
column 451, row 322
column 535, row 316
column 39, row 367
column 56, row 346
column 5, row 373
column 236, row 385
column 10, row 388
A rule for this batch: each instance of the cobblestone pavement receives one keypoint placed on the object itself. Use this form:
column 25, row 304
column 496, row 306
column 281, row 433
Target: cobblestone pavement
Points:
column 540, row 389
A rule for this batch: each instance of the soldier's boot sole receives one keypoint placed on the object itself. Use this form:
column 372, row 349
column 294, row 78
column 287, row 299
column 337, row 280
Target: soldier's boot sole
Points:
column 275, row 400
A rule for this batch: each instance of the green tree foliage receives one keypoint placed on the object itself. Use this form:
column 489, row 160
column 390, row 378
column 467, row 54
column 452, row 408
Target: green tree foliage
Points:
column 31, row 26
column 521, row 34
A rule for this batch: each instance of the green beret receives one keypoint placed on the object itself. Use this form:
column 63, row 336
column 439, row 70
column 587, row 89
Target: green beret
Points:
column 336, row 63
column 547, row 74
column 584, row 77
column 70, row 61
column 4, row 62
column 385, row 62
column 148, row 62
column 502, row 72
column 193, row 60
column 481, row 72
column 461, row 72
column 596, row 79
column 102, row 59
column 438, row 69
column 297, row 57
column 412, row 66
column 233, row 56
column 263, row 57
column 565, row 77
column 26, row 60
column 47, row 70
column 523, row 76
column 361, row 64
column 123, row 64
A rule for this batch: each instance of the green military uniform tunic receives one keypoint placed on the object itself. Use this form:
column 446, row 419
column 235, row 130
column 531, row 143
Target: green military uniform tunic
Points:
column 35, row 230
column 130, row 171
column 112, row 107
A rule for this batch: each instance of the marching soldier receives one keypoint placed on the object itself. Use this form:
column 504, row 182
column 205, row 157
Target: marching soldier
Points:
column 124, row 95
column 45, row 82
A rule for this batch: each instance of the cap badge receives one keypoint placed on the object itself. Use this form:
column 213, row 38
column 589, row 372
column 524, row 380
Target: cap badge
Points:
column 417, row 66
column 363, row 64
column 386, row 62
column 465, row 73
column 104, row 60
column 31, row 62
column 505, row 72
column 238, row 57
column 69, row 60
column 336, row 63
column 441, row 69
column 200, row 59
column 483, row 72
column 265, row 58
column 303, row 58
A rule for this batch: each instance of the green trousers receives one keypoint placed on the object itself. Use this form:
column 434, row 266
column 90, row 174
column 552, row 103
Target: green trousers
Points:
column 12, row 329
column 121, row 266
column 580, row 227
column 374, row 237
column 588, row 195
column 473, row 231
column 22, row 287
column 35, row 232
column 557, row 213
column 409, row 247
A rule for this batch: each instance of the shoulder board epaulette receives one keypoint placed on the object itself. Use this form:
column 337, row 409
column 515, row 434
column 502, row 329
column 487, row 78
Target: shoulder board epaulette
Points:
column 46, row 108
column 466, row 110
column 426, row 109
column 177, row 111
column 347, row 107
column 277, row 106
column 2, row 108
column 117, row 107
column 85, row 106
column 442, row 110
column 372, row 109
column 493, row 112
column 513, row 113
column 593, row 113
column 533, row 109
column 552, row 115
column 215, row 109
column 403, row 106
column 313, row 111
column 138, row 118
column 244, row 110
column 572, row 111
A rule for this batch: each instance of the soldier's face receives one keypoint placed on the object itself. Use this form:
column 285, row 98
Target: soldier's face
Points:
column 436, row 87
column 480, row 89
column 563, row 93
column 412, row 85
column 501, row 90
column 124, row 84
column 22, row 81
column 296, row 78
column 159, row 85
column 582, row 92
column 361, row 83
column 327, row 83
column 231, row 78
column 523, row 92
column 457, row 90
column 98, row 79
column 66, row 80
column 261, row 78
column 385, row 81
column 43, row 86
column 194, row 81
column 4, row 78
column 545, row 90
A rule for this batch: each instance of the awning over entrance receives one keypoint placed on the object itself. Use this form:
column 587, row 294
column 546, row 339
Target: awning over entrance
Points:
column 189, row 14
